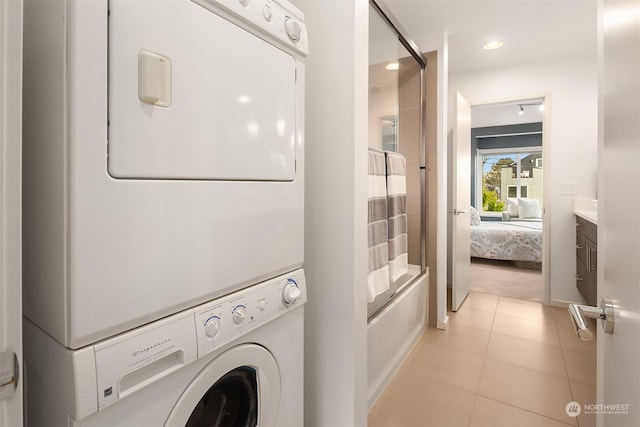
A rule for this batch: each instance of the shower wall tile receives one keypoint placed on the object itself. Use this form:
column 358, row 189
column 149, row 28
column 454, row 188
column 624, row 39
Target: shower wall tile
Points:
column 408, row 83
column 432, row 129
column 432, row 78
column 413, row 220
column 409, row 137
column 413, row 186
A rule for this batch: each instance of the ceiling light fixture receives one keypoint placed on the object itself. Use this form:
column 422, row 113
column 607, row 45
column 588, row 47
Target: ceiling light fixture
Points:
column 493, row 44
column 538, row 104
column 392, row 66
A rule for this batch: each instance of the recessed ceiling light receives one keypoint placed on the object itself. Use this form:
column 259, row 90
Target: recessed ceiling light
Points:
column 392, row 66
column 493, row 44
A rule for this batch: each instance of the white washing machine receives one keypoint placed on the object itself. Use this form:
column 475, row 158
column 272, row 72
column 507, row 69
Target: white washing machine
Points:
column 236, row 361
column 163, row 157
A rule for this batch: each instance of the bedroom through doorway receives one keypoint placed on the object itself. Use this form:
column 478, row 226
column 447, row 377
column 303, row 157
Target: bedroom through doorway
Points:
column 507, row 199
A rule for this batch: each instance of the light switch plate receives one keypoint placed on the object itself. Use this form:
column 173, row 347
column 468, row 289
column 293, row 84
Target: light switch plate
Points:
column 569, row 188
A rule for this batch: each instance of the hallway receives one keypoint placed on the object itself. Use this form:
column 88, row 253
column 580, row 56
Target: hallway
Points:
column 502, row 362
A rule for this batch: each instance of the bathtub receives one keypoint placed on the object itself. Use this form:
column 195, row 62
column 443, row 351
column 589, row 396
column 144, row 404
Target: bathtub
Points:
column 392, row 332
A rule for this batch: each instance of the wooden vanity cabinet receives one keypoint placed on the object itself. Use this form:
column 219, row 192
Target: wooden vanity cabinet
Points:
column 587, row 260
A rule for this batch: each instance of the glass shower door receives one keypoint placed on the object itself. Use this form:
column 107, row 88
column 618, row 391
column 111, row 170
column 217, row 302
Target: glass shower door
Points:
column 395, row 126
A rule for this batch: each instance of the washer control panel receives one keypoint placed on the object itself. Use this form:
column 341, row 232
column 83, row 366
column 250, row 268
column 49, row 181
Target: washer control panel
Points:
column 229, row 317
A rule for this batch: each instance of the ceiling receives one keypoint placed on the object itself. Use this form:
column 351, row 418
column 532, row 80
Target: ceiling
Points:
column 531, row 30
column 506, row 113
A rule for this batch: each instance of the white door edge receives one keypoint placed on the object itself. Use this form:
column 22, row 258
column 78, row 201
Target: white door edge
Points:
column 10, row 207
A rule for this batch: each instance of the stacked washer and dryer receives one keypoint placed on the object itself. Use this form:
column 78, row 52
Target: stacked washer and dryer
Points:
column 163, row 212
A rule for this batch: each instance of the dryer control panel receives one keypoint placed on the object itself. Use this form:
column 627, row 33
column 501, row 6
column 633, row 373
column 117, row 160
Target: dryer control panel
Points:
column 279, row 19
column 227, row 318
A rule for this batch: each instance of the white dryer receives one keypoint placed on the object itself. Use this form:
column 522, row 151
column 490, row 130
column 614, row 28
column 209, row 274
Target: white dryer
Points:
column 163, row 157
column 236, row 361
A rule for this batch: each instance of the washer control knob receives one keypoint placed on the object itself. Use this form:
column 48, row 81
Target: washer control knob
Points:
column 290, row 293
column 244, row 2
column 212, row 326
column 239, row 314
column 266, row 12
column 293, row 29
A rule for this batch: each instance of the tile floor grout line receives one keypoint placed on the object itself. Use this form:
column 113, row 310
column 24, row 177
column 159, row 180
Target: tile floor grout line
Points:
column 525, row 339
column 529, row 320
column 522, row 409
column 475, row 399
column 528, row 369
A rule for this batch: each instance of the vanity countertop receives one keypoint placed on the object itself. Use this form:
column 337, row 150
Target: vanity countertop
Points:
column 591, row 216
column 586, row 209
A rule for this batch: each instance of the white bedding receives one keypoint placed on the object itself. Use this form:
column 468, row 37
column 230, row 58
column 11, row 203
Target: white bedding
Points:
column 512, row 240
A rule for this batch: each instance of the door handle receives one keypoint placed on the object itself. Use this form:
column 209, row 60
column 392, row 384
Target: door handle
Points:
column 8, row 374
column 578, row 313
column 457, row 211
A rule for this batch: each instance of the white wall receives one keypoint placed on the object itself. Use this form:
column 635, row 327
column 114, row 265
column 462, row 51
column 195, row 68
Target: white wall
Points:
column 336, row 212
column 570, row 85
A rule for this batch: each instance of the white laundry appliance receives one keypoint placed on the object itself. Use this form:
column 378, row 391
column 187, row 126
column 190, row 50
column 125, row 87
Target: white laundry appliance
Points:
column 163, row 157
column 235, row 361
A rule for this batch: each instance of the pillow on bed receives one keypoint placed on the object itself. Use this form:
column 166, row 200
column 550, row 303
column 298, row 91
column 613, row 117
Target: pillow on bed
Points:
column 512, row 207
column 529, row 208
column 475, row 216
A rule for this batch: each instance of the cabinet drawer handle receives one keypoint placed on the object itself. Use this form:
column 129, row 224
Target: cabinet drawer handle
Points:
column 579, row 278
column 579, row 247
column 590, row 266
column 578, row 224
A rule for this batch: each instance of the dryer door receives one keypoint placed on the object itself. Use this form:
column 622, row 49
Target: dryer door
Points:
column 241, row 387
column 194, row 96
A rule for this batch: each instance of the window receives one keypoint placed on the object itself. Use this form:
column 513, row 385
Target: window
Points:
column 513, row 191
column 509, row 173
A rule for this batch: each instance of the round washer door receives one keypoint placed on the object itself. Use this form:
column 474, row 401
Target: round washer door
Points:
column 241, row 387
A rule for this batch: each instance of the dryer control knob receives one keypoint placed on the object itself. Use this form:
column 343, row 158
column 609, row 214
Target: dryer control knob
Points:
column 212, row 327
column 266, row 12
column 244, row 2
column 293, row 29
column 239, row 315
column 290, row 293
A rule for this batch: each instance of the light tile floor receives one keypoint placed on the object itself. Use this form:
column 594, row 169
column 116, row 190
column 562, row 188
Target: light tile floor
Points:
column 502, row 362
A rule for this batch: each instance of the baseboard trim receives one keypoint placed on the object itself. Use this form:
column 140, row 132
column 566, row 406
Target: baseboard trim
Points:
column 444, row 325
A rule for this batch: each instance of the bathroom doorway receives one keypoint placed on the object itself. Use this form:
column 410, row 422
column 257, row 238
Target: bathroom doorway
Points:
column 508, row 239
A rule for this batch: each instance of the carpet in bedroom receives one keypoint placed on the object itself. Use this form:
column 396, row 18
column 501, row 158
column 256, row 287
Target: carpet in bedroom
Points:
column 505, row 279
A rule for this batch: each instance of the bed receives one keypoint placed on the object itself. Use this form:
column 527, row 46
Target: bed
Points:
column 510, row 241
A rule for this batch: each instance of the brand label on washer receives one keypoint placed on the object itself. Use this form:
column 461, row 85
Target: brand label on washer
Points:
column 121, row 363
